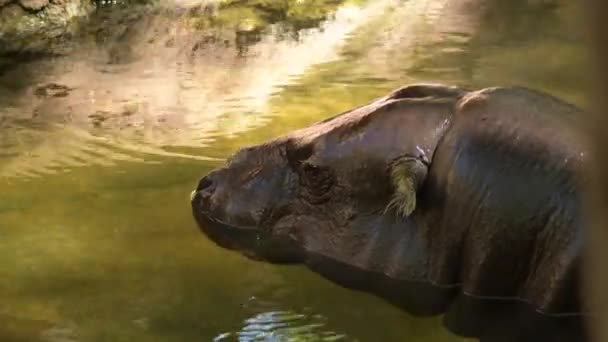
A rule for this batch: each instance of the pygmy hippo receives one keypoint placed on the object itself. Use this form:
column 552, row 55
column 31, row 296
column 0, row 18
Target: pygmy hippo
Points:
column 439, row 199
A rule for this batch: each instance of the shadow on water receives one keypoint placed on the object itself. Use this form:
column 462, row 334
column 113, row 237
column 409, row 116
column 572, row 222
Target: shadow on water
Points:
column 100, row 147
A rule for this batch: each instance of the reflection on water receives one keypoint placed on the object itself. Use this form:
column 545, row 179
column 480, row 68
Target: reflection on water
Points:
column 163, row 97
column 282, row 326
column 100, row 148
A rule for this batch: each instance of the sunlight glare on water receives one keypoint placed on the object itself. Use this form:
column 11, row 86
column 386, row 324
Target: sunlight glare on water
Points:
column 166, row 97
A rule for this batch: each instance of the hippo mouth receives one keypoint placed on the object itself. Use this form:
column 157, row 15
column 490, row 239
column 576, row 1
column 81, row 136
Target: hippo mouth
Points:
column 253, row 242
column 230, row 236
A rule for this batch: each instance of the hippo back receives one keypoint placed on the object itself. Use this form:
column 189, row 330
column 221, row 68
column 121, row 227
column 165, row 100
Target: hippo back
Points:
column 502, row 201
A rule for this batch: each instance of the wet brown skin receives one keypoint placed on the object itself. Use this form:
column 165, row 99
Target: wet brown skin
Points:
column 496, row 237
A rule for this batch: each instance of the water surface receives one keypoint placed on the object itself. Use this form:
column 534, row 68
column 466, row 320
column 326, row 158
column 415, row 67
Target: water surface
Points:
column 100, row 148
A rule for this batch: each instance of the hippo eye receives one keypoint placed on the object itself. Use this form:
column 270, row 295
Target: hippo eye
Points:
column 312, row 171
column 317, row 179
column 314, row 174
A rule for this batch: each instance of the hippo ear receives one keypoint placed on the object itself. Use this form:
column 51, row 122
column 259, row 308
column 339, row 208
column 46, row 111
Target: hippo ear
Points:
column 407, row 175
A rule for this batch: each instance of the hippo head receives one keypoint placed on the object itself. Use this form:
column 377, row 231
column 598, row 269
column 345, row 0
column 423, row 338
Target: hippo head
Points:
column 328, row 188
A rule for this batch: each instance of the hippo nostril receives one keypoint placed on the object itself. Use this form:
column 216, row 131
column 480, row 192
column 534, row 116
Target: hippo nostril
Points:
column 204, row 191
column 205, row 184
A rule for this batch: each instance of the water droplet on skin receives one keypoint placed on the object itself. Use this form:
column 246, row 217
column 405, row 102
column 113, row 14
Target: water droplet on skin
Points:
column 422, row 154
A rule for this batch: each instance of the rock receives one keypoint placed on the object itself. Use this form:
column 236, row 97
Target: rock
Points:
column 34, row 5
column 22, row 31
column 5, row 2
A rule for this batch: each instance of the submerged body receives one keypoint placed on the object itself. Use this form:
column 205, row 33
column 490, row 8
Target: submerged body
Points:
column 439, row 199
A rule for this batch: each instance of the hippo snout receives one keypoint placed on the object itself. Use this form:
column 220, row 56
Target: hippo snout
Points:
column 229, row 196
column 207, row 195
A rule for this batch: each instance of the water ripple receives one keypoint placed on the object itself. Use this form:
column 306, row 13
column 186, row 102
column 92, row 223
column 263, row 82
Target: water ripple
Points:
column 137, row 94
column 283, row 326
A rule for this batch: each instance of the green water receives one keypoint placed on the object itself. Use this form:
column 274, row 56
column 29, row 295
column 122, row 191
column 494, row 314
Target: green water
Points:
column 97, row 242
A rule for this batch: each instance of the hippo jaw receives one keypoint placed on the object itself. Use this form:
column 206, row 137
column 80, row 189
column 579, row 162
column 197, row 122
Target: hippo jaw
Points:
column 325, row 188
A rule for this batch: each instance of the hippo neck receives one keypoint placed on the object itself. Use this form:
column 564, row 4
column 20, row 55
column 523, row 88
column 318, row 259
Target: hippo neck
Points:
column 393, row 246
column 390, row 260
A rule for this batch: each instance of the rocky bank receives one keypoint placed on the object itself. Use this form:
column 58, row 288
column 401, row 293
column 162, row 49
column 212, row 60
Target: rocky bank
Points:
column 35, row 26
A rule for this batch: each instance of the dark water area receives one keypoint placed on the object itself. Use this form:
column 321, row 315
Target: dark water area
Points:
column 100, row 148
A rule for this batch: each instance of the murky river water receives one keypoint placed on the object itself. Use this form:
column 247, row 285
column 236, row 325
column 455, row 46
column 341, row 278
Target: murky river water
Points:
column 99, row 150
